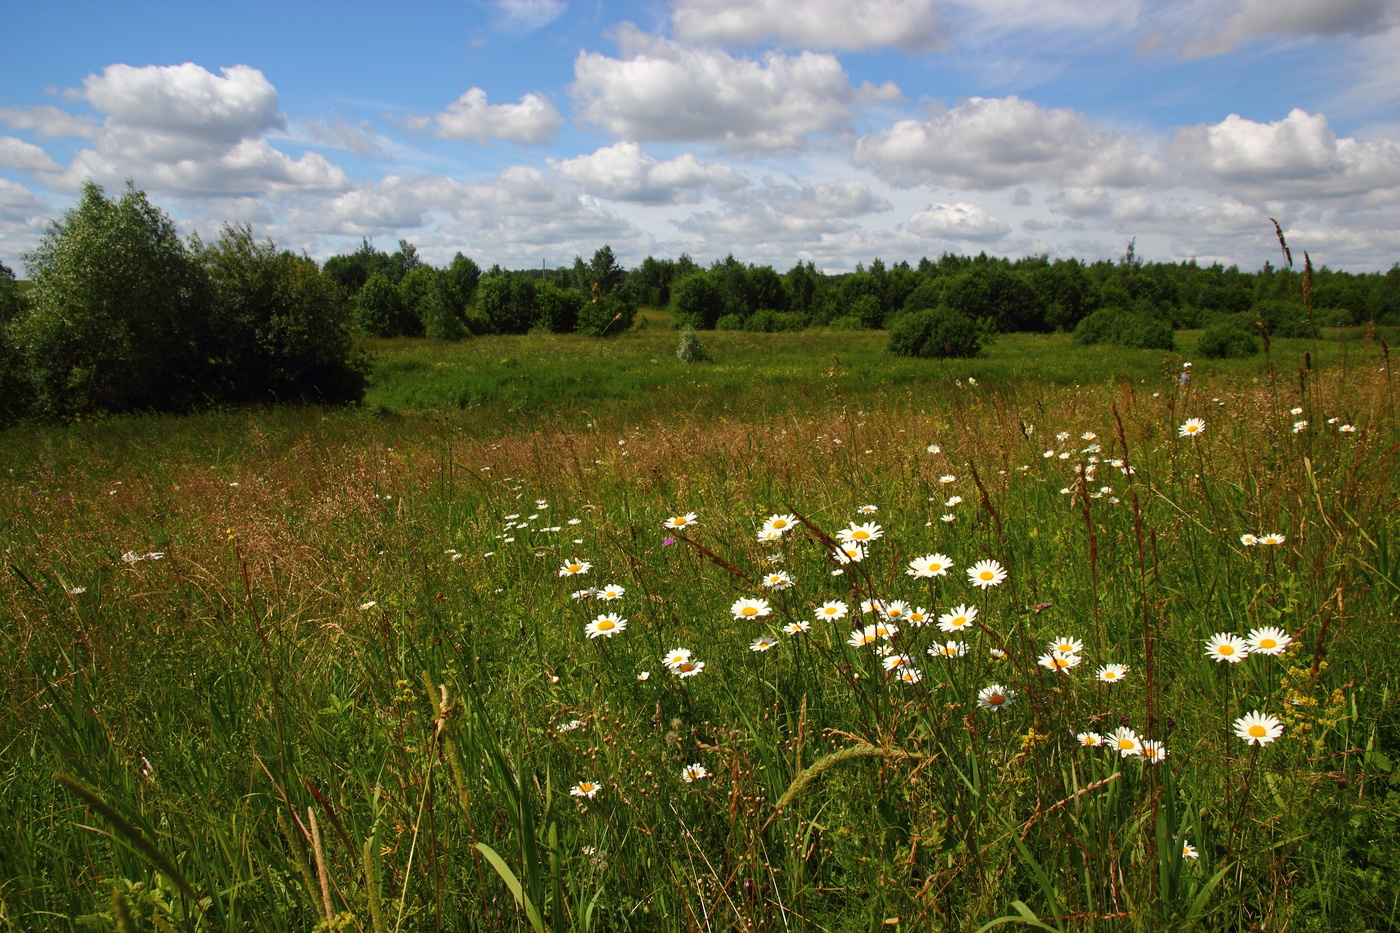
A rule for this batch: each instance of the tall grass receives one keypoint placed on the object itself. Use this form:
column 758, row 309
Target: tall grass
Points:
column 355, row 692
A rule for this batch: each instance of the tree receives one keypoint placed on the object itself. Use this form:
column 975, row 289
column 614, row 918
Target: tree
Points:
column 465, row 274
column 118, row 314
column 14, row 387
column 697, row 302
column 379, row 308
column 506, row 301
column 934, row 333
column 604, row 271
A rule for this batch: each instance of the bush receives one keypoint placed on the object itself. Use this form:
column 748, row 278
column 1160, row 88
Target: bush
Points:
column 557, row 308
column 696, row 301
column 847, row 322
column 1125, row 329
column 379, row 308
column 608, row 316
column 507, row 302
column 730, row 322
column 1226, row 340
column 690, row 350
column 935, row 333
column 773, row 322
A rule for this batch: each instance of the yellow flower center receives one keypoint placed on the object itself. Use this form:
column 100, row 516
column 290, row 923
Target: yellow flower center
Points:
column 586, row 786
column 861, row 535
column 685, row 667
column 1257, row 731
column 780, row 524
column 986, row 575
column 749, row 611
column 1226, row 649
column 1125, row 743
column 575, row 568
column 1109, row 675
column 605, row 624
column 996, row 699
column 1267, row 643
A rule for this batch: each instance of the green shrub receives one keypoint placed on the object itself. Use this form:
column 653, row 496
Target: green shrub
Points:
column 608, row 316
column 1124, row 329
column 935, row 333
column 847, row 322
column 1226, row 340
column 730, row 322
column 690, row 349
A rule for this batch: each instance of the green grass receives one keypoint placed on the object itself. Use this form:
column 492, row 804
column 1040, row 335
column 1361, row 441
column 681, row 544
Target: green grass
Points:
column 246, row 743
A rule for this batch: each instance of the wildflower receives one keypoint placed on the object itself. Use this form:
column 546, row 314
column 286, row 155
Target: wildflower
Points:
column 996, row 654
column 688, row 668
column 678, row 522
column 762, row 643
column 917, row 617
column 780, row 523
column 947, row 479
column 909, row 675
column 750, row 608
column 610, row 592
column 1112, row 673
column 953, row 500
column 1248, row 540
column 882, row 651
column 986, row 573
column 1268, row 640
column 1348, row 429
column 574, row 521
column 569, row 726
column 1273, row 538
column 1089, row 436
column 1226, row 647
column 644, row 676
column 665, row 542
column 1062, row 435
column 1191, row 428
column 848, row 553
column 1068, row 645
column 1299, row 427
column 885, row 630
column 605, row 625
column 1258, row 729
column 896, row 609
column 871, row 605
column 369, row 605
column 1089, row 739
column 584, row 594
column 767, row 536
column 76, row 590
column 957, row 618
column 995, row 697
column 832, row 609
column 1189, row 851
column 893, row 661
column 795, row 628
column 694, row 772
column 777, row 580
column 587, row 789
column 934, row 449
column 1059, row 661
column 868, row 509
column 863, row 636
column 860, row 534
column 1125, row 741
column 952, row 649
column 949, row 518
column 930, row 565
column 1153, row 751
column 676, row 657
column 574, row 567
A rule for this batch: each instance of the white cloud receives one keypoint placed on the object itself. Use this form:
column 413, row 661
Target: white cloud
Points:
column 1298, row 156
column 185, row 101
column 852, row 25
column 960, row 221
column 22, row 220
column 529, row 15
column 48, row 122
column 663, row 90
column 780, row 223
column 471, row 119
column 987, row 143
column 1223, row 26
column 24, row 157
column 624, row 172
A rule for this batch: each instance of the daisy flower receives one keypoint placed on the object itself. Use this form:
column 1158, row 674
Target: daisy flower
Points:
column 953, row 649
column 893, row 661
column 780, row 523
column 1153, row 751
column 948, row 478
column 918, row 617
column 1189, row 851
column 694, row 772
column 1295, row 411
column 796, row 628
column 957, row 618
column 750, row 608
column 1112, row 673
column 872, row 605
column 995, row 697
column 1191, row 428
column 996, row 654
column 1089, row 739
column 953, row 500
column 677, row 522
column 1299, row 427
column 863, row 636
column 1274, row 538
column 762, row 643
column 1125, row 741
column 1268, row 640
column 930, row 565
column 950, row 518
column 885, row 630
column 1258, row 729
column 574, row 567
column 584, row 594
column 934, row 449
column 777, row 580
column 909, row 675
column 896, row 609
column 676, row 657
column 868, row 509
column 611, row 591
column 1224, row 646
column 688, row 668
column 1059, row 661
column 605, row 625
column 849, row 554
column 1067, row 644
column 587, row 789
column 1348, row 429
column 986, row 573
column 768, row 536
column 644, row 676
column 832, row 609
column 860, row 534
column 1248, row 540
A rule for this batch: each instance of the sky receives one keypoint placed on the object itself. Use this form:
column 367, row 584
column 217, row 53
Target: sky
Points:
column 528, row 132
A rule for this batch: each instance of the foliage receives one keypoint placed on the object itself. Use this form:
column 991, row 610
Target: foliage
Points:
column 690, row 349
column 608, row 316
column 506, row 301
column 557, row 309
column 935, row 333
column 1124, row 328
column 380, row 310
column 697, row 302
column 1226, row 339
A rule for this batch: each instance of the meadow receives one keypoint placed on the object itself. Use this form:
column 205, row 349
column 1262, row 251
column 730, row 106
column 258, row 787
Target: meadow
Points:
column 564, row 634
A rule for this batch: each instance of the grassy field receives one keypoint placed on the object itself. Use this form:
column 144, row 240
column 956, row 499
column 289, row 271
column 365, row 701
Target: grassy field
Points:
column 303, row 669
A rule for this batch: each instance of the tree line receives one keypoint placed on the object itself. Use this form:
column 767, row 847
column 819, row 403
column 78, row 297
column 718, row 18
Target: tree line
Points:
column 121, row 314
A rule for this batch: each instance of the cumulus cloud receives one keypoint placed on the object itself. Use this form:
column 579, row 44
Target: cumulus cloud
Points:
column 22, row 219
column 987, row 143
column 850, row 25
column 663, row 90
column 529, row 15
column 48, row 122
column 25, row 157
column 624, row 172
column 186, row 101
column 960, row 221
column 785, row 221
column 1299, row 155
column 471, row 119
column 1223, row 26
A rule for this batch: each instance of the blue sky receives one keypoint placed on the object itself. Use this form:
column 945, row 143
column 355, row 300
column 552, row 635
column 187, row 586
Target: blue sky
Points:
column 529, row 131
